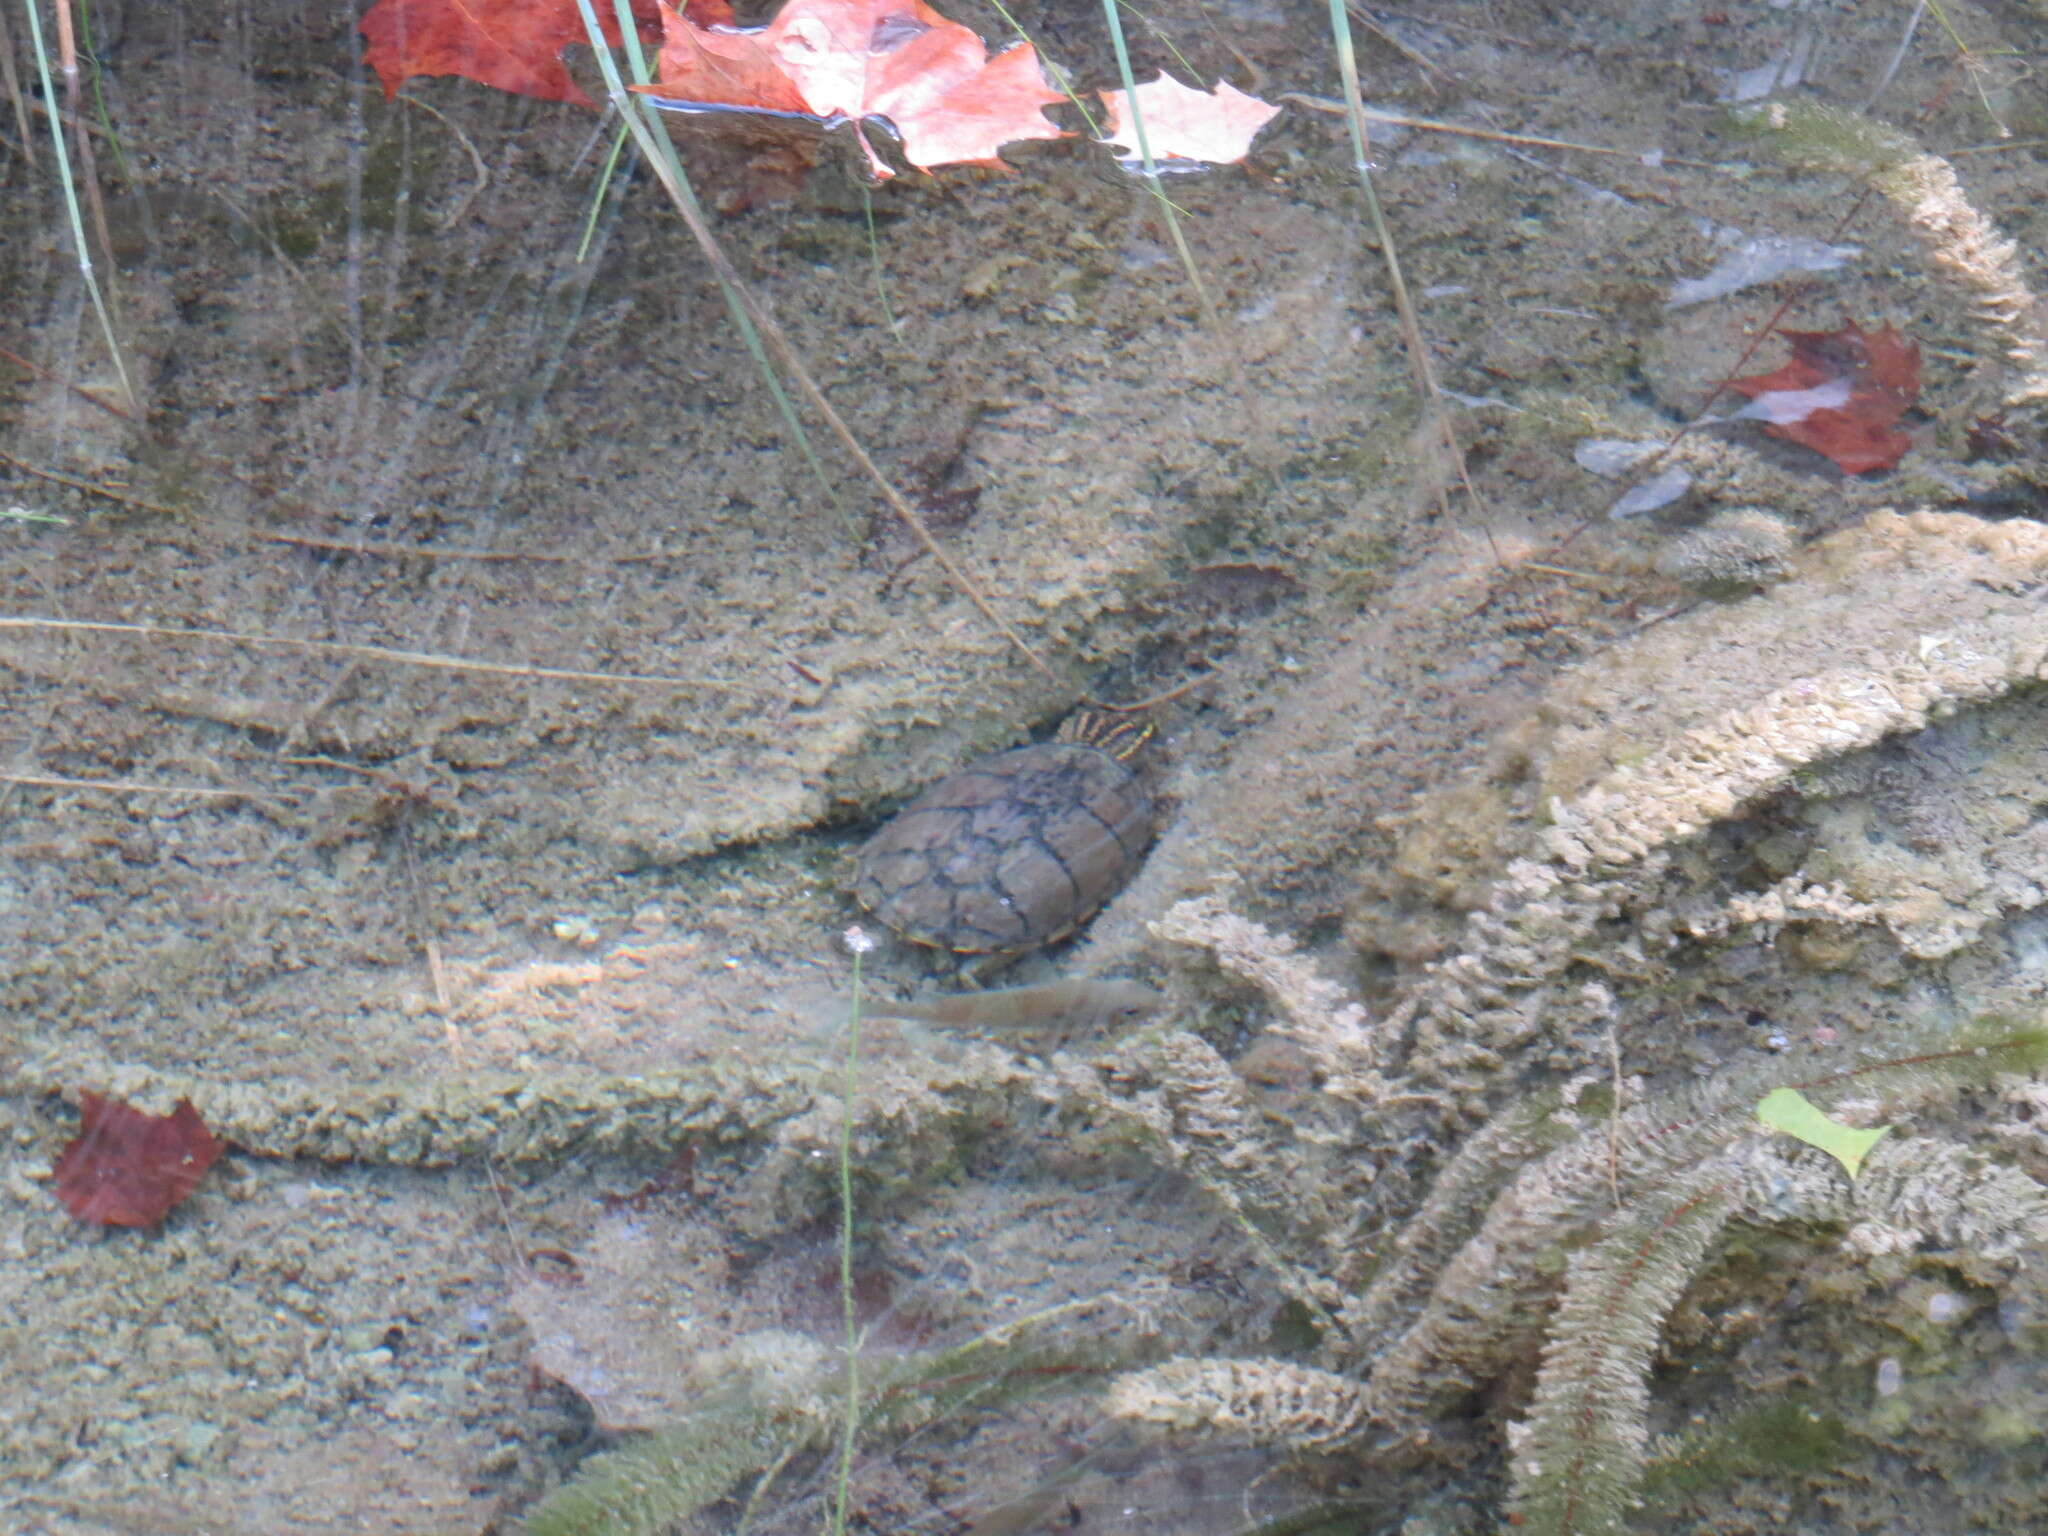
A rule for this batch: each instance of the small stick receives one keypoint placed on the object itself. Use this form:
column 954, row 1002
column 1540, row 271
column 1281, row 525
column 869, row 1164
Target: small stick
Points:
column 454, row 215
column 1565, row 570
column 84, row 394
column 519, row 1261
column 1155, row 700
column 429, row 941
column 1434, row 125
column 10, row 77
column 1430, row 71
column 395, row 551
column 1614, row 1115
column 134, row 787
column 362, row 652
column 1994, row 149
column 384, row 547
column 86, row 485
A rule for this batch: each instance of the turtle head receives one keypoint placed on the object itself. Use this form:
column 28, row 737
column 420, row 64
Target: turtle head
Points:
column 1119, row 733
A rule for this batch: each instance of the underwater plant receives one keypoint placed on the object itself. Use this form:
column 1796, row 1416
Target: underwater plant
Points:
column 1451, row 1227
column 1578, row 1232
column 779, row 1402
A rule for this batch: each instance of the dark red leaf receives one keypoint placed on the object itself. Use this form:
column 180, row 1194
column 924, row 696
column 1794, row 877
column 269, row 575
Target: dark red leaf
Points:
column 1882, row 371
column 126, row 1168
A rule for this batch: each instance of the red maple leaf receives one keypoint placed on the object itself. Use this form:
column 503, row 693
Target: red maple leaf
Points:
column 1842, row 395
column 1182, row 123
column 515, row 45
column 126, row 1168
column 949, row 102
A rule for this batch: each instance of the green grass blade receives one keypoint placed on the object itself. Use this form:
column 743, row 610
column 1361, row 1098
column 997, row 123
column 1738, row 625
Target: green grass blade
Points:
column 130, row 402
column 604, row 180
column 859, row 943
column 1166, row 208
column 665, row 147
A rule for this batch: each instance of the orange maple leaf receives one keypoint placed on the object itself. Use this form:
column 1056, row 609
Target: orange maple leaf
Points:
column 515, row 45
column 834, row 60
column 1182, row 123
column 1842, row 394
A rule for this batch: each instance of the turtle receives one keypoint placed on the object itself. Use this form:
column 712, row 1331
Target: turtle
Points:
column 1017, row 849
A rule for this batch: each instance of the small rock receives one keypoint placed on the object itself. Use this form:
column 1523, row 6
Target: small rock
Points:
column 1737, row 550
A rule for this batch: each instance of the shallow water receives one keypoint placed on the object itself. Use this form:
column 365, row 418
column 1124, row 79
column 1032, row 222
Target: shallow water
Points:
column 447, row 724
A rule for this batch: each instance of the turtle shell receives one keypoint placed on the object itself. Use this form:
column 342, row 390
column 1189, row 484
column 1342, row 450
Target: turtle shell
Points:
column 1011, row 852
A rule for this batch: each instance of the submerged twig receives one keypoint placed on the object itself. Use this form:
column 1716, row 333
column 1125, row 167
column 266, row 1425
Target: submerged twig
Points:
column 1497, row 136
column 360, row 652
column 56, row 477
column 454, row 215
column 10, row 81
column 137, row 787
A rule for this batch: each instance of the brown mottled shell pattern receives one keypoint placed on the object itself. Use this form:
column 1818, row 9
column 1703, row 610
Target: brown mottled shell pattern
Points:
column 1011, row 852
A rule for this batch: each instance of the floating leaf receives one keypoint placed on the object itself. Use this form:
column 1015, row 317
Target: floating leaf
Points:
column 1182, row 123
column 1790, row 1111
column 932, row 79
column 515, row 45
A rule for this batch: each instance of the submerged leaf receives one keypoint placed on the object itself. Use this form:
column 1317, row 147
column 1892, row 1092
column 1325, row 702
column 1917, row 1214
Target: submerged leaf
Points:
column 126, row 1168
column 1842, row 394
column 1792, row 1112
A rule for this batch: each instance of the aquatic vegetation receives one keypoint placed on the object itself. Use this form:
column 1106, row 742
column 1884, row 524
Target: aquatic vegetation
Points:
column 669, row 1476
column 774, row 1400
column 1568, row 1222
column 1780, row 1438
column 1335, row 1031
column 1615, row 1214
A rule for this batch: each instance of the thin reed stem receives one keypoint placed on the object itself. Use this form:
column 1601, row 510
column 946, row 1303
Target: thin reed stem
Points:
column 668, row 168
column 867, row 205
column 660, row 155
column 858, row 942
column 130, row 401
column 1404, row 306
column 1152, row 181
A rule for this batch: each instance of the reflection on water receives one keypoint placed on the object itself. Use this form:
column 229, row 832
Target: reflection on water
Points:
column 439, row 734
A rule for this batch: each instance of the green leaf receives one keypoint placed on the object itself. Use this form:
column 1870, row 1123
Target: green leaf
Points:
column 1790, row 1111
